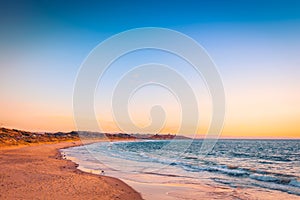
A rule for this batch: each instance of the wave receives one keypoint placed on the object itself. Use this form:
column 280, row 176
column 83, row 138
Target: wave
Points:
column 295, row 183
column 243, row 169
column 225, row 170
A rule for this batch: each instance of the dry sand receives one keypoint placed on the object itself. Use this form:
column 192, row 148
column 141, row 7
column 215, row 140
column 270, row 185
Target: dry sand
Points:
column 39, row 172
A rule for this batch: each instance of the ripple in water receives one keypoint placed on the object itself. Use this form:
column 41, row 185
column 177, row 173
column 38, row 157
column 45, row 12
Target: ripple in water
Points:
column 268, row 164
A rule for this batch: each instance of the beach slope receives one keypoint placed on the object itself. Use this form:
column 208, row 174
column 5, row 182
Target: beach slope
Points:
column 39, row 172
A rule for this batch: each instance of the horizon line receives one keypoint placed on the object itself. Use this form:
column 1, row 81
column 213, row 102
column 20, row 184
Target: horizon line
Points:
column 188, row 136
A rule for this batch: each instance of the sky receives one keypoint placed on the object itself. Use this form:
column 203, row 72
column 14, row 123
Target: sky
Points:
column 254, row 44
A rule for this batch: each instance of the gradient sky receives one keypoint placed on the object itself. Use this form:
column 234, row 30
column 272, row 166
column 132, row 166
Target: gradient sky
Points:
column 255, row 45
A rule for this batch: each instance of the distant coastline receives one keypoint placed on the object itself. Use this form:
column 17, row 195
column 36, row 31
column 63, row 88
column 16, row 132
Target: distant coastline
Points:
column 12, row 137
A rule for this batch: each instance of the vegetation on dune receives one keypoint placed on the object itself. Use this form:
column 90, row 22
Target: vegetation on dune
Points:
column 10, row 137
column 19, row 137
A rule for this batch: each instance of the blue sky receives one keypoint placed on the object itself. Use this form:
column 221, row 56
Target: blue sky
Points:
column 255, row 45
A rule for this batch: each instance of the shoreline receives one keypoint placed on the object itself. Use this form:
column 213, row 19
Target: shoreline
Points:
column 39, row 171
column 47, row 175
column 180, row 191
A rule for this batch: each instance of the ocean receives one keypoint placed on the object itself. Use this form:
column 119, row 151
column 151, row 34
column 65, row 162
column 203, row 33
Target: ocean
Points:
column 270, row 165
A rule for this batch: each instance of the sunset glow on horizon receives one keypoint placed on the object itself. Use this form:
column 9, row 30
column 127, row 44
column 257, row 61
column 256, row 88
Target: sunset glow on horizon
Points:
column 255, row 48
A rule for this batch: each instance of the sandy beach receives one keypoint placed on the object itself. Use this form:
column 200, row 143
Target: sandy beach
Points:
column 39, row 172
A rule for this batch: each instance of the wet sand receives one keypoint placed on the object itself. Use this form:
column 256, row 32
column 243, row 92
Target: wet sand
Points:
column 205, row 191
column 39, row 172
column 154, row 187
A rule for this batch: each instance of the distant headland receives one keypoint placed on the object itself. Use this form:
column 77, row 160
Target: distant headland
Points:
column 10, row 137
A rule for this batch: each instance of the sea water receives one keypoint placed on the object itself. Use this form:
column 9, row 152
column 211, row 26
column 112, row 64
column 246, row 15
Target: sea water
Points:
column 259, row 164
